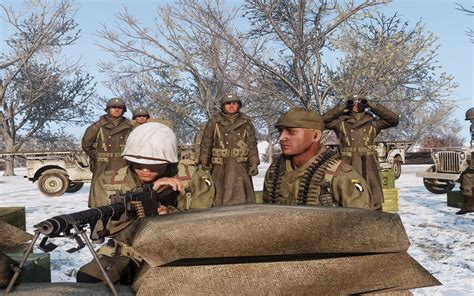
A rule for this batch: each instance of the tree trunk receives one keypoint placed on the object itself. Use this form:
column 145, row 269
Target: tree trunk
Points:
column 9, row 160
column 270, row 149
column 9, row 166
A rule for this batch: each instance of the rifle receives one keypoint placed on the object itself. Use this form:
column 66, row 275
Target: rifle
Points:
column 143, row 202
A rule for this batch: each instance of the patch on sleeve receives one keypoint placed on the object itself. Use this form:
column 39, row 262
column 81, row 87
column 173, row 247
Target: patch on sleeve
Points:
column 357, row 185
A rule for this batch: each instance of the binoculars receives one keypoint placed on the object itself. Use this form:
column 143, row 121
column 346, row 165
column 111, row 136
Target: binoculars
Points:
column 362, row 103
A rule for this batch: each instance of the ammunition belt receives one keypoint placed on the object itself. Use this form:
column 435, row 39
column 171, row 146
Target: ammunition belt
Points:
column 104, row 156
column 278, row 171
column 313, row 176
column 368, row 150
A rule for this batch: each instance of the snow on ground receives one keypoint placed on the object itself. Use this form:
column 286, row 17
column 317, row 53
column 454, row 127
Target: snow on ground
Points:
column 441, row 241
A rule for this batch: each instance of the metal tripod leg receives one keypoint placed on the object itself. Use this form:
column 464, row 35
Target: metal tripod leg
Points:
column 19, row 269
column 102, row 269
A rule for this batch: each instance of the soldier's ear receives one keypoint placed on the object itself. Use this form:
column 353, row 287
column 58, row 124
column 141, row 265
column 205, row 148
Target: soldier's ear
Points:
column 317, row 135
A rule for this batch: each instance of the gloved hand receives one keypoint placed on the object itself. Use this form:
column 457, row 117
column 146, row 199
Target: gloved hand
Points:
column 253, row 170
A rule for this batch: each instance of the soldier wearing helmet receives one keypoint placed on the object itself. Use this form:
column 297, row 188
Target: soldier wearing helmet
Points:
column 104, row 140
column 357, row 124
column 229, row 150
column 306, row 173
column 140, row 116
column 467, row 176
column 151, row 156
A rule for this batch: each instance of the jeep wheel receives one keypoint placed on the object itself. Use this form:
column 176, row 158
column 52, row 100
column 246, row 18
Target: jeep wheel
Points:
column 397, row 168
column 74, row 186
column 53, row 183
column 437, row 186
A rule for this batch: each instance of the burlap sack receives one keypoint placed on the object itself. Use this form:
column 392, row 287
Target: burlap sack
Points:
column 12, row 237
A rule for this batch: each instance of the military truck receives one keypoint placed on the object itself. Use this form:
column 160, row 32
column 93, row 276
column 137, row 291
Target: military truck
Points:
column 449, row 163
column 391, row 155
column 56, row 172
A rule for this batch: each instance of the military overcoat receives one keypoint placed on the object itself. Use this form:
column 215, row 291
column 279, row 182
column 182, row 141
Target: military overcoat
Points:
column 103, row 142
column 357, row 133
column 229, row 145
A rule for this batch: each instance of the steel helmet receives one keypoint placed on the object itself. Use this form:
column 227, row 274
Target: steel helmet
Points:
column 140, row 112
column 116, row 102
column 230, row 98
column 470, row 113
column 151, row 143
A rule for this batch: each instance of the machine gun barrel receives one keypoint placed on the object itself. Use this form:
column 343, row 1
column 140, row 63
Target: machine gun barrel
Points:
column 54, row 226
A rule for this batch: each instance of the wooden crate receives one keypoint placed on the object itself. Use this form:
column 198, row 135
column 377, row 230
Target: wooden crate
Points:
column 14, row 216
column 390, row 203
column 455, row 199
column 388, row 179
column 37, row 268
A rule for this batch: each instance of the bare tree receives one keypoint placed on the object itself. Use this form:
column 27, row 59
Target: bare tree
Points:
column 36, row 87
column 391, row 62
column 181, row 66
column 286, row 39
column 469, row 12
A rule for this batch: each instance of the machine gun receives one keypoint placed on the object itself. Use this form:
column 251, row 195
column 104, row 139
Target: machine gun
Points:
column 143, row 202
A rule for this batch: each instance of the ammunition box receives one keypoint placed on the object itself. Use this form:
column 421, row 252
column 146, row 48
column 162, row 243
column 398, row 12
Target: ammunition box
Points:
column 390, row 203
column 37, row 268
column 455, row 199
column 14, row 216
column 388, row 179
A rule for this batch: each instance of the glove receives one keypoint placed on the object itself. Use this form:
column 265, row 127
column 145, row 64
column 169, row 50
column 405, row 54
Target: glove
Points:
column 253, row 170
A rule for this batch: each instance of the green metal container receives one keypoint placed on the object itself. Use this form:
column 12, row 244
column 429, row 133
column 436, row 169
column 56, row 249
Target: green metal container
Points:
column 455, row 199
column 14, row 216
column 388, row 179
column 37, row 268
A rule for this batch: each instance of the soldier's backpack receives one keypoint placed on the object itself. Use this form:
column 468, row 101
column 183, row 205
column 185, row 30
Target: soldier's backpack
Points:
column 199, row 189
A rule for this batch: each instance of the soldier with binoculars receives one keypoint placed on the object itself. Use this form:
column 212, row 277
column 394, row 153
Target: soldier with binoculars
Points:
column 357, row 129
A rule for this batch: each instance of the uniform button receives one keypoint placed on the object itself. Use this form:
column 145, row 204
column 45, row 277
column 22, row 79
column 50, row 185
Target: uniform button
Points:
column 109, row 137
column 227, row 142
column 364, row 129
column 352, row 130
column 238, row 134
column 352, row 139
column 226, row 134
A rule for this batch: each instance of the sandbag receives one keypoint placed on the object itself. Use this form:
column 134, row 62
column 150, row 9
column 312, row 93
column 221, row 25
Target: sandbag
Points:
column 12, row 237
column 264, row 230
column 378, row 273
column 69, row 289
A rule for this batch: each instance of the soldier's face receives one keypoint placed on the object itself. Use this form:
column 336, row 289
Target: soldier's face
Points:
column 149, row 172
column 231, row 107
column 116, row 111
column 296, row 141
column 141, row 119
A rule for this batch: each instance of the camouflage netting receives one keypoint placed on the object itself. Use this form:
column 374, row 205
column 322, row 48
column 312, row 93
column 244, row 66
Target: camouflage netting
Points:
column 69, row 289
column 335, row 276
column 12, row 237
column 264, row 230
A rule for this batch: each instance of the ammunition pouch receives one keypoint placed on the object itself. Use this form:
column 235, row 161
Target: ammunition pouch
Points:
column 217, row 160
column 104, row 156
column 347, row 151
column 218, row 155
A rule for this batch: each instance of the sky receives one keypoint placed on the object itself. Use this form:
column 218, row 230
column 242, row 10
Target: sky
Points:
column 439, row 16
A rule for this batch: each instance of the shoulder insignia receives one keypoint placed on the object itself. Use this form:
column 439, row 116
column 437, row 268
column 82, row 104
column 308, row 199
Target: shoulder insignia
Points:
column 357, row 185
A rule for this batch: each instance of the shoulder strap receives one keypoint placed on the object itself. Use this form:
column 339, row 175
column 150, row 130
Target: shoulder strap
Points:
column 118, row 176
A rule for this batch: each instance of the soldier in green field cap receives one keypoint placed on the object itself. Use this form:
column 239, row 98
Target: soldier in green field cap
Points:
column 306, row 173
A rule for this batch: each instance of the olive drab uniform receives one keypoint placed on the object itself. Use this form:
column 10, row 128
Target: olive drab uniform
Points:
column 122, row 261
column 323, row 180
column 357, row 133
column 230, row 146
column 103, row 142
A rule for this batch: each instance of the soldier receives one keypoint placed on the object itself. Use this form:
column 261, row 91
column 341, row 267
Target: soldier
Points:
column 230, row 147
column 103, row 141
column 467, row 177
column 357, row 129
column 151, row 153
column 307, row 173
column 140, row 116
